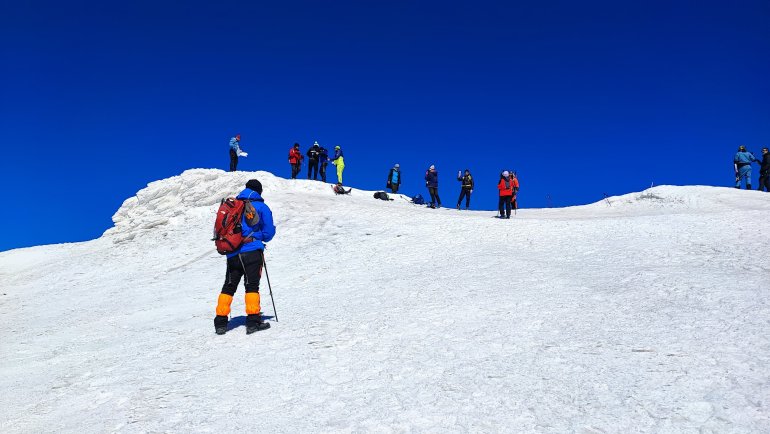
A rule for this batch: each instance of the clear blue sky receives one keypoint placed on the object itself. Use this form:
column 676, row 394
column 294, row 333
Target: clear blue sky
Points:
column 581, row 98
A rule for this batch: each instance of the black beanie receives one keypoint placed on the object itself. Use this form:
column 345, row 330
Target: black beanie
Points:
column 255, row 185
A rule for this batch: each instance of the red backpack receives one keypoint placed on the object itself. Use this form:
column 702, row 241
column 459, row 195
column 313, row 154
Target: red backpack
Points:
column 227, row 227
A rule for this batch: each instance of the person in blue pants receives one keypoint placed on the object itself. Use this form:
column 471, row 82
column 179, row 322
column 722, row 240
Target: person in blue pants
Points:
column 742, row 164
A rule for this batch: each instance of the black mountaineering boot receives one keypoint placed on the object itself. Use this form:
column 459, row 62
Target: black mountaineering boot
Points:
column 220, row 324
column 254, row 323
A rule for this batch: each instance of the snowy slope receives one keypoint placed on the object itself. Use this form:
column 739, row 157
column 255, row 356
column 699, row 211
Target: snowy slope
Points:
column 649, row 312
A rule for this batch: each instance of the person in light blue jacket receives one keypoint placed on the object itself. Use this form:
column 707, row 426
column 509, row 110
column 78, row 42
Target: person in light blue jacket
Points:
column 235, row 150
column 258, row 228
column 742, row 164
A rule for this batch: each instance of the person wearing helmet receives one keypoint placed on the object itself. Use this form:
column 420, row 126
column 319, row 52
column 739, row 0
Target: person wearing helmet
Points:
column 466, row 188
column 235, row 150
column 742, row 165
column 764, row 171
column 338, row 161
column 295, row 159
column 394, row 178
column 313, row 154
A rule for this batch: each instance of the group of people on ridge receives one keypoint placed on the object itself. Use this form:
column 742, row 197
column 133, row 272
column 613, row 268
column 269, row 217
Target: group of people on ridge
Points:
column 508, row 188
column 318, row 159
column 742, row 165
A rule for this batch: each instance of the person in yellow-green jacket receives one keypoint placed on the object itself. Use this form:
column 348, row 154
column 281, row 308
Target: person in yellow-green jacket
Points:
column 338, row 161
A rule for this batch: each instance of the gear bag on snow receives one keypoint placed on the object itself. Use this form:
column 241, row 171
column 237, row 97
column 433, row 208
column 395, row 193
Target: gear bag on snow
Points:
column 418, row 200
column 228, row 231
column 381, row 195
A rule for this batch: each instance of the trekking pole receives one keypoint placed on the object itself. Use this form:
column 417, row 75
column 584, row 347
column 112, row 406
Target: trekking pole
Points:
column 269, row 286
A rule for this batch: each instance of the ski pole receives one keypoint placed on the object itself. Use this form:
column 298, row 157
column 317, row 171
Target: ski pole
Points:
column 264, row 262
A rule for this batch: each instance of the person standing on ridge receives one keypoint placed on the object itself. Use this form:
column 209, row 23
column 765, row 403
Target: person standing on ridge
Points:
column 338, row 161
column 764, row 171
column 515, row 180
column 466, row 188
column 431, row 181
column 394, row 179
column 313, row 154
column 323, row 161
column 235, row 150
column 295, row 159
column 742, row 164
column 257, row 229
column 506, row 188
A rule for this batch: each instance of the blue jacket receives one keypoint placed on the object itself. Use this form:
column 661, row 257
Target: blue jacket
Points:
column 235, row 144
column 744, row 157
column 323, row 156
column 263, row 231
column 337, row 154
column 431, row 178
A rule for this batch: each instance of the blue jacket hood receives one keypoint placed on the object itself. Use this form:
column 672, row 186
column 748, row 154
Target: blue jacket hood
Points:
column 249, row 194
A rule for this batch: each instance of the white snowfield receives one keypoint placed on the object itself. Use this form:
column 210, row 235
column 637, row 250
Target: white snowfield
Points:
column 648, row 312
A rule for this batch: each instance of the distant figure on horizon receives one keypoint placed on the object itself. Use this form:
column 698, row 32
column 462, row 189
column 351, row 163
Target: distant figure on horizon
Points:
column 339, row 161
column 295, row 159
column 764, row 171
column 431, row 181
column 323, row 161
column 235, row 151
column 466, row 188
column 313, row 154
column 514, row 202
column 257, row 229
column 507, row 187
column 394, row 178
column 742, row 163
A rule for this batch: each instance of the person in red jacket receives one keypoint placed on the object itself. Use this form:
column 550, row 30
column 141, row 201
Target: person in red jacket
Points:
column 295, row 159
column 507, row 186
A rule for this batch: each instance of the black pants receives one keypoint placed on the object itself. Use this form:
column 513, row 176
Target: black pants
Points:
column 466, row 193
column 295, row 168
column 233, row 160
column 505, row 206
column 312, row 166
column 394, row 188
column 248, row 265
column 764, row 181
column 434, row 199
column 323, row 171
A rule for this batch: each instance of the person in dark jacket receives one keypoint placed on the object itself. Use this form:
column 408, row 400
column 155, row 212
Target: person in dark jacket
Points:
column 258, row 228
column 313, row 154
column 764, row 171
column 466, row 188
column 742, row 164
column 394, row 178
column 431, row 181
column 295, row 159
column 323, row 161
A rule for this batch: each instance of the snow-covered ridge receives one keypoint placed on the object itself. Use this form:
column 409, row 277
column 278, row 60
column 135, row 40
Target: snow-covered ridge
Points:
column 645, row 312
column 165, row 201
column 162, row 201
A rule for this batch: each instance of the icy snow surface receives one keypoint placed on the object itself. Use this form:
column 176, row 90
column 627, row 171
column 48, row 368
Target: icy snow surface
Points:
column 646, row 312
